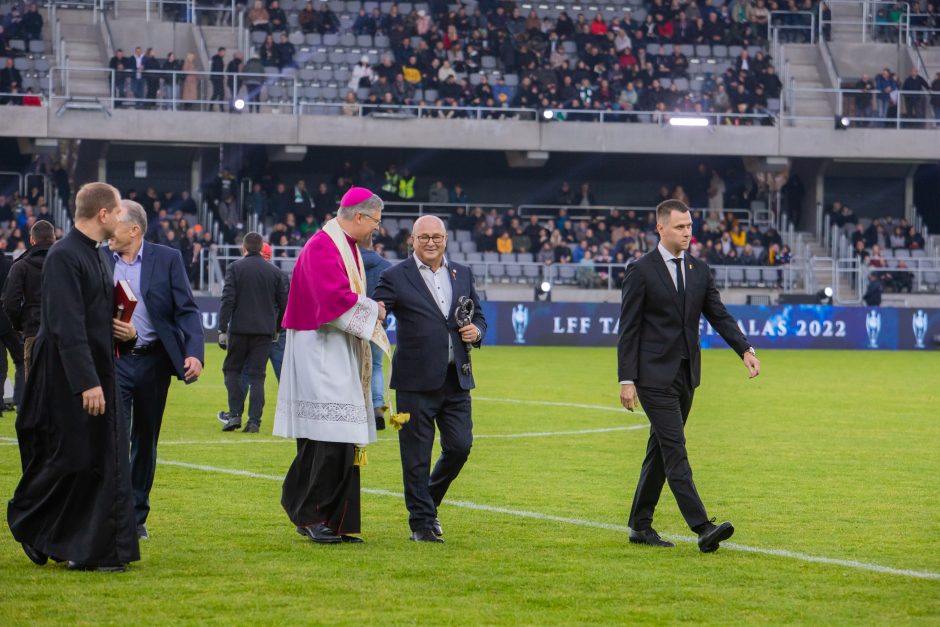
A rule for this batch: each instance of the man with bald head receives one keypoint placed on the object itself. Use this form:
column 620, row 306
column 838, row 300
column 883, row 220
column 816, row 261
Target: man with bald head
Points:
column 431, row 370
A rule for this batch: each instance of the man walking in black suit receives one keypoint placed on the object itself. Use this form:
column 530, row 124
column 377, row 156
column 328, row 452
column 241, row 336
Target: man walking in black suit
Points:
column 254, row 298
column 169, row 342
column 659, row 361
column 431, row 370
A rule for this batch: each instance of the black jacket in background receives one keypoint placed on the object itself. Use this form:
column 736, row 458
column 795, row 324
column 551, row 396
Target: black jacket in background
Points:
column 5, row 264
column 22, row 292
column 253, row 299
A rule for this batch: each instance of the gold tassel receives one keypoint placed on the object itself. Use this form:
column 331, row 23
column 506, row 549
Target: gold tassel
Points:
column 398, row 420
column 361, row 459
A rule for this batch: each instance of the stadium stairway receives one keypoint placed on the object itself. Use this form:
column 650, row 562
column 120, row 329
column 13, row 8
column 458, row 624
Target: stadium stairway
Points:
column 931, row 57
column 84, row 48
column 847, row 21
column 803, row 66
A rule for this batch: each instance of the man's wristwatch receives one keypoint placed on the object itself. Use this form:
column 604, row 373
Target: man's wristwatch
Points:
column 750, row 349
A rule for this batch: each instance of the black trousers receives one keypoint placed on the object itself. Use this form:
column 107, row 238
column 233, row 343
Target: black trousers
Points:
column 12, row 343
column 248, row 353
column 143, row 383
column 666, row 456
column 449, row 408
column 322, row 486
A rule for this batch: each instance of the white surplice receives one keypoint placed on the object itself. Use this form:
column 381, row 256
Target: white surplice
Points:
column 321, row 395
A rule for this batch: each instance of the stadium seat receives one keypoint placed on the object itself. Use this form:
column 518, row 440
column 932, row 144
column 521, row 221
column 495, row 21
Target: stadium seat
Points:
column 514, row 271
column 770, row 276
column 524, row 258
column 491, row 257
column 753, row 276
column 473, row 256
column 507, row 257
column 463, row 236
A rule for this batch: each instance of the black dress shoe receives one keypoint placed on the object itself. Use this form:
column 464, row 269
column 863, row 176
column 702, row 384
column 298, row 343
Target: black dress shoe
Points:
column 321, row 534
column 252, row 427
column 379, row 420
column 39, row 559
column 352, row 539
column 708, row 540
column 425, row 535
column 98, row 569
column 650, row 537
column 436, row 527
column 142, row 532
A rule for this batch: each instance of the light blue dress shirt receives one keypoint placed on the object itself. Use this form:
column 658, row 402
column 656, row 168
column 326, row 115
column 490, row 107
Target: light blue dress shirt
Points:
column 131, row 272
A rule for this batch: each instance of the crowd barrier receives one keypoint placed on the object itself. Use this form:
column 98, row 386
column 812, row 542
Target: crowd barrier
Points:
column 767, row 326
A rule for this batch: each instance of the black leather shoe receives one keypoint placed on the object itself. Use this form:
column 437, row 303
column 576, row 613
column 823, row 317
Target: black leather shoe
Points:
column 39, row 559
column 352, row 539
column 425, row 535
column 98, row 569
column 436, row 527
column 650, row 537
column 379, row 420
column 233, row 423
column 708, row 540
column 252, row 427
column 321, row 534
column 142, row 532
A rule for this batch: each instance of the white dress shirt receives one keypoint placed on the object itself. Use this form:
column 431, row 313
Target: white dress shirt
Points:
column 671, row 268
column 438, row 284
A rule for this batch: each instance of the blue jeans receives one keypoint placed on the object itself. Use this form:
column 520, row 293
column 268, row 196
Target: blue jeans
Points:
column 378, row 377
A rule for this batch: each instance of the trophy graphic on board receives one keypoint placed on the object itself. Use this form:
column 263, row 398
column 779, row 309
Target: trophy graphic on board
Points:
column 919, row 322
column 873, row 327
column 520, row 322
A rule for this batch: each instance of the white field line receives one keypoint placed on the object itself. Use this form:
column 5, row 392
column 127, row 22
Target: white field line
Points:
column 802, row 557
column 239, row 440
column 520, row 401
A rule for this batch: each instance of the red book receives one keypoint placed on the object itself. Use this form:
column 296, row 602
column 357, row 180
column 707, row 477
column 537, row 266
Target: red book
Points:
column 124, row 301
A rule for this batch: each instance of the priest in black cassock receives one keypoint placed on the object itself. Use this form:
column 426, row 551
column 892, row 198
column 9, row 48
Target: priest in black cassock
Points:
column 74, row 500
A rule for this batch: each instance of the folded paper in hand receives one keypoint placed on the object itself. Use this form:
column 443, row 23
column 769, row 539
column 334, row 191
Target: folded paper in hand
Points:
column 124, row 301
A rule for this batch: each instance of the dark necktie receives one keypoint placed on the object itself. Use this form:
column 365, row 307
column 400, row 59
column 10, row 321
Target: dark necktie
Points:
column 680, row 287
column 680, row 284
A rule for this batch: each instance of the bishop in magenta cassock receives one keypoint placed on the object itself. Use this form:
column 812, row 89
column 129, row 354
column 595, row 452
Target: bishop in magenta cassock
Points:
column 325, row 400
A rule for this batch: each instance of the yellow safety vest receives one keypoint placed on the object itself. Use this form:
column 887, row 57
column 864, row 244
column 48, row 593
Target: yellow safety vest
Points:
column 406, row 188
column 391, row 183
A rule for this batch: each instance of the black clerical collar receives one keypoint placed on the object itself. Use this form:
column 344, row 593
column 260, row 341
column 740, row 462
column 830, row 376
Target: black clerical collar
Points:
column 84, row 238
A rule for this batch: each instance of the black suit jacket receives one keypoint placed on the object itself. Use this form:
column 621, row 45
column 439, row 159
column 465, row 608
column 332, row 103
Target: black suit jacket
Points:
column 254, row 297
column 173, row 314
column 420, row 360
column 650, row 347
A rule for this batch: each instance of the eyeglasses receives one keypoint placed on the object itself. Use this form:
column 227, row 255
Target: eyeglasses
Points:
column 376, row 220
column 424, row 239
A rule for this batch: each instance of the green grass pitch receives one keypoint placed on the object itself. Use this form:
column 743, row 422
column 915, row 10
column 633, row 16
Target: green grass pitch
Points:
column 825, row 455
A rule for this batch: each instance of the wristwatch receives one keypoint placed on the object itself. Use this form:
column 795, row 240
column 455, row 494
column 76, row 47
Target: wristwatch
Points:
column 750, row 349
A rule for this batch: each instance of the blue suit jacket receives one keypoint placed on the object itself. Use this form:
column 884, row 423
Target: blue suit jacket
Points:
column 173, row 313
column 420, row 360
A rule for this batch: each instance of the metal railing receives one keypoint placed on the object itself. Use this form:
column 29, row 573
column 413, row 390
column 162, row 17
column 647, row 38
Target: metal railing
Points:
column 188, row 11
column 580, row 212
column 911, row 110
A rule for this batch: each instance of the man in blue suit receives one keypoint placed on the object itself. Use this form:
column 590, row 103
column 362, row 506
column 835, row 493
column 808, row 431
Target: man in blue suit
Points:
column 431, row 370
column 170, row 341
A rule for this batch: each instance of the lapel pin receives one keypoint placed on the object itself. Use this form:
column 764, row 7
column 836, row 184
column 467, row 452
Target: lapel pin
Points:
column 453, row 273
column 690, row 266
